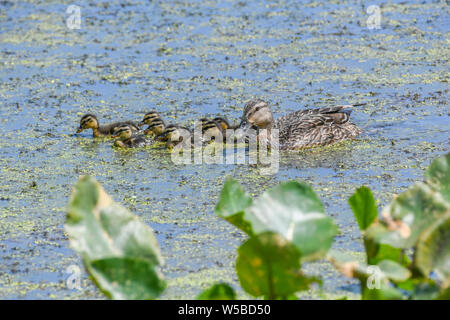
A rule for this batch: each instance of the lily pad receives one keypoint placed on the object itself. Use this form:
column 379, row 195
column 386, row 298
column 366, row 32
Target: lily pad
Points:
column 219, row 291
column 438, row 175
column 119, row 251
column 415, row 210
column 291, row 209
column 232, row 204
column 269, row 266
column 364, row 207
column 433, row 250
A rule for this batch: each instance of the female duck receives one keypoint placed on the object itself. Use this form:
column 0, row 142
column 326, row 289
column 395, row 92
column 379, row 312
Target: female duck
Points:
column 90, row 121
column 127, row 139
column 303, row 128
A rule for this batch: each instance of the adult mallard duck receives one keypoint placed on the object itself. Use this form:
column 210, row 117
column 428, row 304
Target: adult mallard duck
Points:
column 304, row 128
column 90, row 121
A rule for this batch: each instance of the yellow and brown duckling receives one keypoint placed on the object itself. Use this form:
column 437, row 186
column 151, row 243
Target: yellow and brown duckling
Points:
column 212, row 129
column 304, row 128
column 127, row 138
column 155, row 123
column 90, row 121
column 175, row 134
column 224, row 123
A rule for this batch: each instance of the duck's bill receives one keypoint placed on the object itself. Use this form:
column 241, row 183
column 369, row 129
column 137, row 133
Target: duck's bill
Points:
column 140, row 124
column 147, row 131
column 115, row 136
column 79, row 130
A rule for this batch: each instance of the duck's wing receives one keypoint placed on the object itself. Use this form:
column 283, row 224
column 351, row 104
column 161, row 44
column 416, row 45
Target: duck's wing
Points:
column 316, row 126
column 302, row 120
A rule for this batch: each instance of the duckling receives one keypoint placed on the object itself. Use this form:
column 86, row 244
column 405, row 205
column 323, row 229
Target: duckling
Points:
column 225, row 125
column 155, row 123
column 90, row 121
column 212, row 130
column 174, row 134
column 127, row 139
column 303, row 128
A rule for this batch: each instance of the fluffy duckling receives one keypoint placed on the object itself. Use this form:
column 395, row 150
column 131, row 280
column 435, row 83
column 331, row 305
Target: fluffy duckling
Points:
column 304, row 128
column 212, row 130
column 174, row 134
column 90, row 121
column 224, row 124
column 155, row 123
column 127, row 139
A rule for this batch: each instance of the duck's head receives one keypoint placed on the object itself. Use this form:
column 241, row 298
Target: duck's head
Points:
column 149, row 117
column 155, row 127
column 257, row 115
column 123, row 132
column 211, row 129
column 174, row 134
column 88, row 121
column 224, row 124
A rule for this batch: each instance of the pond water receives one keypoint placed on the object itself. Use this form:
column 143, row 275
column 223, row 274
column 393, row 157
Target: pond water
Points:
column 188, row 59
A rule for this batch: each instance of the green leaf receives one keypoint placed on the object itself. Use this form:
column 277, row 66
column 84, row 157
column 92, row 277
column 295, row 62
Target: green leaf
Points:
column 267, row 265
column 415, row 210
column 232, row 203
column 364, row 207
column 219, row 291
column 433, row 250
column 291, row 209
column 386, row 292
column 393, row 270
column 425, row 290
column 127, row 278
column 438, row 175
column 119, row 251
column 411, row 213
column 377, row 251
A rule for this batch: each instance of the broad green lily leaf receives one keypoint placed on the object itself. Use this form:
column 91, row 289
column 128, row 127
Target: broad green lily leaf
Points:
column 232, row 204
column 411, row 213
column 438, row 176
column 291, row 209
column 219, row 291
column 433, row 250
column 268, row 265
column 119, row 251
column 394, row 270
column 415, row 210
column 377, row 251
column 364, row 207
